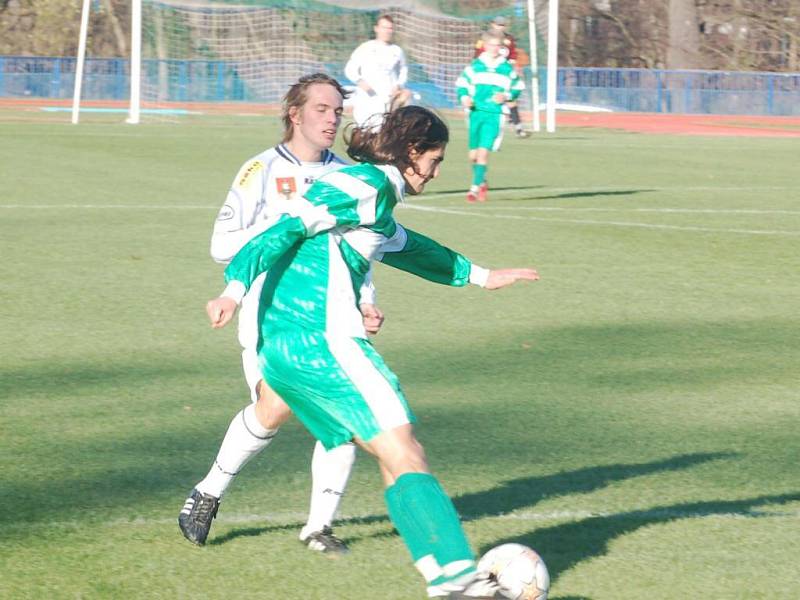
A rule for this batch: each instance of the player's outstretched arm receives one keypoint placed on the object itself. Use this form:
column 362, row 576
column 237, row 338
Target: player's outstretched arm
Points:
column 500, row 278
column 220, row 311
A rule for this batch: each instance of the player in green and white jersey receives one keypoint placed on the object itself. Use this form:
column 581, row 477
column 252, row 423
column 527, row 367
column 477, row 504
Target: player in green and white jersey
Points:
column 266, row 186
column 313, row 349
column 484, row 87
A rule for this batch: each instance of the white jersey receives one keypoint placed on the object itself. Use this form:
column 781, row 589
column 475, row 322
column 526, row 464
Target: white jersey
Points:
column 266, row 186
column 381, row 65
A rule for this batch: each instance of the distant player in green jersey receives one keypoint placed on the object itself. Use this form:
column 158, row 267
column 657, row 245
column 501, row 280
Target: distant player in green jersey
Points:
column 313, row 350
column 484, row 87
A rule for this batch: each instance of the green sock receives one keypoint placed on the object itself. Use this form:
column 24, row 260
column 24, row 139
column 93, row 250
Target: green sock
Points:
column 428, row 523
column 478, row 174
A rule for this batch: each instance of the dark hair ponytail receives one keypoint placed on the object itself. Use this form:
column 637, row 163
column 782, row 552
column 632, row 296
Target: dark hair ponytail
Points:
column 404, row 130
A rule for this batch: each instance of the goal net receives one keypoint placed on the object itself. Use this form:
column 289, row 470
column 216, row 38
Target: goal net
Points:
column 205, row 55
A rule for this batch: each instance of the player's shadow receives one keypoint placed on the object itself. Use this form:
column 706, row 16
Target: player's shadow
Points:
column 564, row 546
column 528, row 491
column 594, row 194
column 461, row 191
column 245, row 532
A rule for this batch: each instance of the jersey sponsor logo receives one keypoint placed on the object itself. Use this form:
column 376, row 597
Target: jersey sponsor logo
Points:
column 309, row 180
column 226, row 213
column 287, row 186
column 253, row 168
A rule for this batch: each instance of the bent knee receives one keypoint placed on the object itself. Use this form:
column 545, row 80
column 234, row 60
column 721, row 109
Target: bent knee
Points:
column 271, row 410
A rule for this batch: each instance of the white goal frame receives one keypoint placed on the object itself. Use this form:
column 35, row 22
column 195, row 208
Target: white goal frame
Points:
column 134, row 110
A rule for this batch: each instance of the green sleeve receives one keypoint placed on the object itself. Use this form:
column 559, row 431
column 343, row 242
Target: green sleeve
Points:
column 428, row 259
column 463, row 84
column 260, row 253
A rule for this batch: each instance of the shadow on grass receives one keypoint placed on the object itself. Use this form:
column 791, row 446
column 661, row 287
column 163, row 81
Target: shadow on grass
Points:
column 245, row 532
column 600, row 193
column 522, row 493
column 499, row 188
column 528, row 491
column 564, row 546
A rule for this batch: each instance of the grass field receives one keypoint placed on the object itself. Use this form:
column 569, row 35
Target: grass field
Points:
column 633, row 416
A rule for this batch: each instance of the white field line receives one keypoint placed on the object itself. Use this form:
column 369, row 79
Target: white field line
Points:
column 534, row 192
column 710, row 211
column 485, row 215
column 110, row 206
column 290, row 519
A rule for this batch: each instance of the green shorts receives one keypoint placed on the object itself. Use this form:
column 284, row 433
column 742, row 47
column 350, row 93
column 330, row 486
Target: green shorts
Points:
column 339, row 387
column 485, row 130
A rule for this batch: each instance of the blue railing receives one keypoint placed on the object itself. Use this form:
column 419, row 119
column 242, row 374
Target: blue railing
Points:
column 640, row 90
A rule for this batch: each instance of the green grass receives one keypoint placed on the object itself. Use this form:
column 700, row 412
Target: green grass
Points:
column 633, row 416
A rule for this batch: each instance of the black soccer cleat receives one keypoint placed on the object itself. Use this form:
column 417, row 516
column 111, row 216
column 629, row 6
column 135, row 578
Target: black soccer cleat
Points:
column 196, row 516
column 324, row 541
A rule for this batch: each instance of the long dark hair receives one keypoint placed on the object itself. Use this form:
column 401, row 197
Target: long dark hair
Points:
column 406, row 130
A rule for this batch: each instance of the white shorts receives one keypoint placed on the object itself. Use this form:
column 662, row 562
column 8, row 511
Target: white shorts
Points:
column 248, row 335
column 369, row 110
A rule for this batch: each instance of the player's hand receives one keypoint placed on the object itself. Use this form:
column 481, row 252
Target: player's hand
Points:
column 366, row 87
column 499, row 97
column 467, row 101
column 373, row 318
column 500, row 278
column 220, row 311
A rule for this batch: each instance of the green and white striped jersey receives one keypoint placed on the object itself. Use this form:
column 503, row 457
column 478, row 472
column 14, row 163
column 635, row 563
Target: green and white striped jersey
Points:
column 317, row 256
column 484, row 77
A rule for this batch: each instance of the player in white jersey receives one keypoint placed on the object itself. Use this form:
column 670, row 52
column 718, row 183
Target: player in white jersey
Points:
column 378, row 68
column 265, row 187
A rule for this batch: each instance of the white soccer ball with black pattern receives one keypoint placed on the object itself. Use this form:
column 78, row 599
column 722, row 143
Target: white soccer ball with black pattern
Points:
column 519, row 571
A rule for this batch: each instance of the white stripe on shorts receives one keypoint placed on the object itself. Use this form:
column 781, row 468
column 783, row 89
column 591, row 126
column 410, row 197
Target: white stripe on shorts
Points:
column 380, row 396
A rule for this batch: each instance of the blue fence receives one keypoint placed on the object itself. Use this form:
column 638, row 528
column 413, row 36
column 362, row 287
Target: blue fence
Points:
column 640, row 90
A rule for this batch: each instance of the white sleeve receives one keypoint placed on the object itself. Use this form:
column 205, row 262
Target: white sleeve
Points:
column 402, row 75
column 367, row 294
column 234, row 226
column 352, row 69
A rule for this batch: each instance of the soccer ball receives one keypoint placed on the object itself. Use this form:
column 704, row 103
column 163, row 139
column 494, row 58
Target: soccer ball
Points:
column 519, row 571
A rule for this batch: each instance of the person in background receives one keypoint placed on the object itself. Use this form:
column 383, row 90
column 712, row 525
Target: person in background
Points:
column 378, row 68
column 484, row 87
column 513, row 55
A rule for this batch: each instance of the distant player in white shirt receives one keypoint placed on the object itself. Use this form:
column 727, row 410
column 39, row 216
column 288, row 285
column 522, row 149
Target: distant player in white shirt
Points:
column 378, row 68
column 267, row 186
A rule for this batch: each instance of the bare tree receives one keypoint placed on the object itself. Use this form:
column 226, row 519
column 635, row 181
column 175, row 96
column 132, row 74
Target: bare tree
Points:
column 683, row 48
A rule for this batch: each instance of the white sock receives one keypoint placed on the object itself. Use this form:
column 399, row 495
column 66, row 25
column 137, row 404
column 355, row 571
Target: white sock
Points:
column 245, row 438
column 330, row 471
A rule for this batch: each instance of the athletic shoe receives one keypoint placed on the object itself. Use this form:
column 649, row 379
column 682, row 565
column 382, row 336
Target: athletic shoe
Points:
column 477, row 586
column 472, row 197
column 196, row 516
column 483, row 192
column 521, row 133
column 324, row 541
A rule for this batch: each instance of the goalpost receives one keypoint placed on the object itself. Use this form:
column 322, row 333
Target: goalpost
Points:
column 200, row 55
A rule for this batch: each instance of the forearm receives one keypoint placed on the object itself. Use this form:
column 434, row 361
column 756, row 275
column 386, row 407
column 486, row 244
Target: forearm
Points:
column 426, row 258
column 261, row 253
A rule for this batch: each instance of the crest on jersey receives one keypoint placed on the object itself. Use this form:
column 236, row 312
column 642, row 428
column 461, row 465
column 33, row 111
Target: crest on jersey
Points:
column 286, row 186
